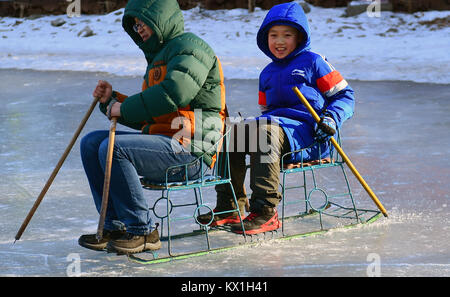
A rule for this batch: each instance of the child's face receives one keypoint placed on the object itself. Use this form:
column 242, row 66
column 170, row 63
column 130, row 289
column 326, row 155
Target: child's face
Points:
column 283, row 40
column 142, row 29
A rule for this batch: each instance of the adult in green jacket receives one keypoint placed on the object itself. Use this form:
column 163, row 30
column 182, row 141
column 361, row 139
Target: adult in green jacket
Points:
column 180, row 112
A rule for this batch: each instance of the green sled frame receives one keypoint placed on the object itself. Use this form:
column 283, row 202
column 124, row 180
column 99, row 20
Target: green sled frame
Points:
column 307, row 209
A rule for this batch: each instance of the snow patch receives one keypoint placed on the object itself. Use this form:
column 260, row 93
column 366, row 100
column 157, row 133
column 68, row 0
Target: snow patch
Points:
column 395, row 46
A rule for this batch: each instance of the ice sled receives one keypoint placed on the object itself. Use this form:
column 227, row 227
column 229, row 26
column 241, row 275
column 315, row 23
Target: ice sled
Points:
column 317, row 197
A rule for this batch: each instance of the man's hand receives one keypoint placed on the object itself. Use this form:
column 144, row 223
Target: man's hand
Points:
column 325, row 129
column 103, row 90
column 113, row 109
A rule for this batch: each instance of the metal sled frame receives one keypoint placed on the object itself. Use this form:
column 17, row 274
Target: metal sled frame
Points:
column 221, row 174
column 209, row 177
column 329, row 207
column 155, row 259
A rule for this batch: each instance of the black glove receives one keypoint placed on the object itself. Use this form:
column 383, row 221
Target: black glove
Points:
column 325, row 128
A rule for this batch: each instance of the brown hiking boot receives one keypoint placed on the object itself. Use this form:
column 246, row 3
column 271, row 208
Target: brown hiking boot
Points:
column 90, row 241
column 132, row 243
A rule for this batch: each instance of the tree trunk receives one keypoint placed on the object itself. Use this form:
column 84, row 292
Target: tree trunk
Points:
column 251, row 5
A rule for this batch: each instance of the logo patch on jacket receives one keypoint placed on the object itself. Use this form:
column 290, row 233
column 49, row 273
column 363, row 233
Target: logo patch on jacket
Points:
column 298, row 72
column 157, row 73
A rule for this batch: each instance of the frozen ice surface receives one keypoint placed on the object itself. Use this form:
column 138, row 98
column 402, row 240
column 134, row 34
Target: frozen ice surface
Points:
column 398, row 140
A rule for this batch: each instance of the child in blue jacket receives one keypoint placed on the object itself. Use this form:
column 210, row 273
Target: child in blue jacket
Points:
column 284, row 36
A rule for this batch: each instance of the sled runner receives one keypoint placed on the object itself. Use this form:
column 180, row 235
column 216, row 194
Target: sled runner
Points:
column 231, row 241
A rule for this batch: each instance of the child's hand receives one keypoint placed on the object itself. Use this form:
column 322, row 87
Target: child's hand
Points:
column 103, row 90
column 325, row 129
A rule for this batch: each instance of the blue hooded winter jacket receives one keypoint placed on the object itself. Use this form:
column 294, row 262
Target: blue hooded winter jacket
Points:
column 322, row 85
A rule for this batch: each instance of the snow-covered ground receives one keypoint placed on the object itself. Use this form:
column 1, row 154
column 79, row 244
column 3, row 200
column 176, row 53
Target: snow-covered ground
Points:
column 394, row 46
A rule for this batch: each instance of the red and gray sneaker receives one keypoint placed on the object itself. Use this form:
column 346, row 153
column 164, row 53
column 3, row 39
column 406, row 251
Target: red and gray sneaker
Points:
column 266, row 220
column 219, row 219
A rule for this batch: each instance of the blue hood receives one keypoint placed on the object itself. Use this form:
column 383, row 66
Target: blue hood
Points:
column 290, row 14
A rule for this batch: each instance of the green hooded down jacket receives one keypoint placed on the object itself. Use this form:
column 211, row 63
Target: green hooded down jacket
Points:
column 183, row 95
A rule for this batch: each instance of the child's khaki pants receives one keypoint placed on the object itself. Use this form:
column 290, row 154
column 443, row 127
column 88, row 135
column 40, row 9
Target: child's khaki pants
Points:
column 265, row 142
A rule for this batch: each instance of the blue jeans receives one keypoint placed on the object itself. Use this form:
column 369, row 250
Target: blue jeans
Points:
column 134, row 155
